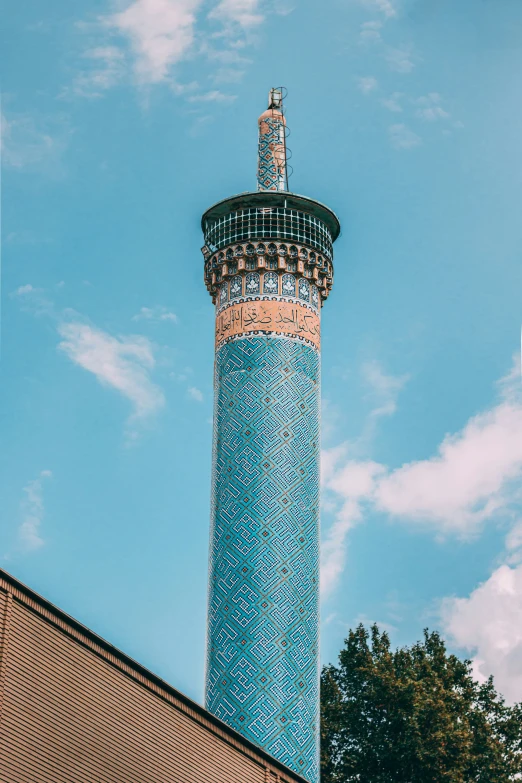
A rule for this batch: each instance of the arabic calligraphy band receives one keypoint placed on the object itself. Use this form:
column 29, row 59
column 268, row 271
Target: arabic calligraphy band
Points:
column 275, row 317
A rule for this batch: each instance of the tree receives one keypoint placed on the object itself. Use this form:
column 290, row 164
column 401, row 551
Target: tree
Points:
column 413, row 715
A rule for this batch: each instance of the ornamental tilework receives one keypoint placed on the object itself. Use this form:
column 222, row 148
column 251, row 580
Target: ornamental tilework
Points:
column 236, row 287
column 262, row 656
column 288, row 285
column 223, row 294
column 304, row 290
column 315, row 296
column 252, row 284
column 271, row 155
column 270, row 283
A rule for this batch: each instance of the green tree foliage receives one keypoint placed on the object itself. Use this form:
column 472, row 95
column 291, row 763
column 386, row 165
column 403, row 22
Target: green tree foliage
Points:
column 413, row 715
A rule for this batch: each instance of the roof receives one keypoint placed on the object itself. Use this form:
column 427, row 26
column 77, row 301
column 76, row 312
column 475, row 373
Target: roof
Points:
column 137, row 672
column 273, row 198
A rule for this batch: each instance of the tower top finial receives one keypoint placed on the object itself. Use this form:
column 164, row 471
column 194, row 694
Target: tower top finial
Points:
column 275, row 98
column 271, row 161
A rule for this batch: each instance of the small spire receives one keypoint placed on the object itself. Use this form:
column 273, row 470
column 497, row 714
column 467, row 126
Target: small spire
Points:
column 275, row 98
column 271, row 161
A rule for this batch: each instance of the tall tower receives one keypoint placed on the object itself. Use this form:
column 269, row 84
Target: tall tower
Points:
column 268, row 267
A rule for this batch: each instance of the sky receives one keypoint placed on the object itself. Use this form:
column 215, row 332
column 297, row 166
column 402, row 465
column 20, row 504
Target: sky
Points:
column 122, row 121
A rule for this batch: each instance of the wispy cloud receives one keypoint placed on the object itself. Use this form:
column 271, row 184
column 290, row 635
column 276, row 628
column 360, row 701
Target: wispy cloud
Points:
column 27, row 143
column 350, row 481
column 393, row 103
column 384, row 388
column 367, row 84
column 430, row 109
column 32, row 510
column 370, row 32
column 145, row 40
column 474, row 477
column 400, row 60
column 244, row 14
column 213, row 96
column 157, row 313
column 402, row 137
column 195, row 394
column 386, row 7
column 24, row 289
column 107, row 68
column 33, row 299
column 228, row 75
column 122, row 363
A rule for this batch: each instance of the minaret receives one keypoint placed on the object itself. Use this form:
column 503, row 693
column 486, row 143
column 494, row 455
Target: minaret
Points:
column 268, row 267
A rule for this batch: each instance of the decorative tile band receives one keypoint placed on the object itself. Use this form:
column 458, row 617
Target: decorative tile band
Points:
column 267, row 284
column 271, row 171
column 262, row 675
column 269, row 316
column 246, row 270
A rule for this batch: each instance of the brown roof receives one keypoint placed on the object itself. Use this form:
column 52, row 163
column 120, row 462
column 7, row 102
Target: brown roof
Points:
column 43, row 637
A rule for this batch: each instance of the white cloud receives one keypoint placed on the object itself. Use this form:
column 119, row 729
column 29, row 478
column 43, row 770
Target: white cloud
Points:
column 228, row 75
column 393, row 102
column 400, row 60
column 24, row 289
column 109, row 68
column 352, row 482
column 386, row 7
column 33, row 300
column 474, row 477
column 384, row 387
column 148, row 38
column 157, row 313
column 213, row 96
column 488, row 624
column 430, row 108
column 370, row 32
column 241, row 13
column 367, row 84
column 32, row 508
column 470, row 478
column 402, row 137
column 195, row 394
column 514, row 544
column 160, row 34
column 229, row 57
column 349, row 483
column 27, row 143
column 123, row 363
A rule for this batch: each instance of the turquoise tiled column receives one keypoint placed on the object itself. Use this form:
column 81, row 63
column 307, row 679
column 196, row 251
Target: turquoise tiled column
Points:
column 269, row 269
column 262, row 665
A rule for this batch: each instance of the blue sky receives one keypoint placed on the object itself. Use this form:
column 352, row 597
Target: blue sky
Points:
column 121, row 123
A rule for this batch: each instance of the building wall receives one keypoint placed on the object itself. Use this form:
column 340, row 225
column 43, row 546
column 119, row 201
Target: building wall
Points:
column 75, row 709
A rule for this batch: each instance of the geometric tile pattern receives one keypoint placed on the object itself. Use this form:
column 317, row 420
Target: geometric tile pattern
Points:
column 271, row 171
column 262, row 673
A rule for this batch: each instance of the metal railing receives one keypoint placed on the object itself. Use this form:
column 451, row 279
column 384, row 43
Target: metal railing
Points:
column 270, row 223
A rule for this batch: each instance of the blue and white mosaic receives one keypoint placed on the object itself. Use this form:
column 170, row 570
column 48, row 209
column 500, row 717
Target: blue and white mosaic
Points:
column 304, row 290
column 236, row 287
column 315, row 296
column 288, row 285
column 270, row 283
column 252, row 284
column 262, row 656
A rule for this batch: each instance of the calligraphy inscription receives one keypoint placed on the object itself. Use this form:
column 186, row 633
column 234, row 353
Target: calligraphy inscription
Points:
column 277, row 317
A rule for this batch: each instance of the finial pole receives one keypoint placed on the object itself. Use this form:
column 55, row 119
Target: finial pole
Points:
column 271, row 161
